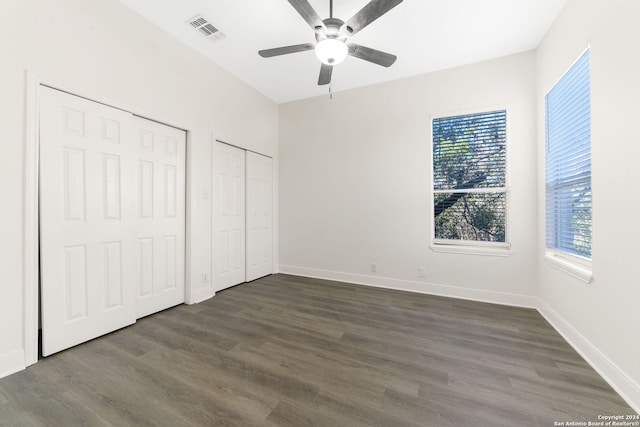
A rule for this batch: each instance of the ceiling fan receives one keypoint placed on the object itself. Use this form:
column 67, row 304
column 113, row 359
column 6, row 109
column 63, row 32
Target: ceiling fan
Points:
column 332, row 35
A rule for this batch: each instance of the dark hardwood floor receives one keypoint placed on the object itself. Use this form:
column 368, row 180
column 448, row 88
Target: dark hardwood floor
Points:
column 292, row 351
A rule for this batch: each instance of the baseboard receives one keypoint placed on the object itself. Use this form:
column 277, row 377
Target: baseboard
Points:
column 626, row 387
column 11, row 363
column 503, row 298
column 200, row 295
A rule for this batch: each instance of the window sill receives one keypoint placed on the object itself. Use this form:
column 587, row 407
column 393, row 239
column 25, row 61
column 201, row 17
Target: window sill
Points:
column 578, row 270
column 500, row 251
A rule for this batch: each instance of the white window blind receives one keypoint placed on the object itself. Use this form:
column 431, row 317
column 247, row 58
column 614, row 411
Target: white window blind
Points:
column 469, row 177
column 568, row 162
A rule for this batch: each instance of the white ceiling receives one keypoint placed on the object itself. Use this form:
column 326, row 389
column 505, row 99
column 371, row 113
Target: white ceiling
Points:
column 426, row 35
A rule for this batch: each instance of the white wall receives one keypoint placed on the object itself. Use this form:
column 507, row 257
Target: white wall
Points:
column 601, row 319
column 102, row 50
column 355, row 182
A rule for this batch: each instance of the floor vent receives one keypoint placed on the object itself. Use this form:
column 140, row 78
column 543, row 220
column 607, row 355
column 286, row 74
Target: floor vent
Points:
column 202, row 24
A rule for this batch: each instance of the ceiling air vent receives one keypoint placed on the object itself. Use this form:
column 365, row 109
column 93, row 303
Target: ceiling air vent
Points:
column 202, row 24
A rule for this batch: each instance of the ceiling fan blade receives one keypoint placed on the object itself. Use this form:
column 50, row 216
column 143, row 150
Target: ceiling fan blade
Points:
column 372, row 11
column 325, row 74
column 307, row 12
column 372, row 55
column 268, row 53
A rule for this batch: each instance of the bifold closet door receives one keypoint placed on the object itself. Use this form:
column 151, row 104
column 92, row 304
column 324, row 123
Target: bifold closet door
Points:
column 112, row 218
column 259, row 216
column 86, row 220
column 160, row 216
column 228, row 205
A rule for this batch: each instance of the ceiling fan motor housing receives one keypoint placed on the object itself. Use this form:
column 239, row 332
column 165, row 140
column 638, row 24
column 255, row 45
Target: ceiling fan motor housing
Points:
column 333, row 28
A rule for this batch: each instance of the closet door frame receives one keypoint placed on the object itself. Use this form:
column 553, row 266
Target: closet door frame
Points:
column 31, row 249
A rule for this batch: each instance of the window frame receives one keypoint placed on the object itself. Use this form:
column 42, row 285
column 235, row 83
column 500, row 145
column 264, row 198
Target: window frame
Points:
column 474, row 247
column 575, row 265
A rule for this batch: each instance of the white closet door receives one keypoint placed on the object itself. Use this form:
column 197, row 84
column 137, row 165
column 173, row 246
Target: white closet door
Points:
column 259, row 216
column 228, row 204
column 87, row 257
column 160, row 216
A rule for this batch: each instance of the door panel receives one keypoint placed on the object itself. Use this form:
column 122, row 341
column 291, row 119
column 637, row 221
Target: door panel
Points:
column 228, row 204
column 87, row 268
column 259, row 216
column 160, row 216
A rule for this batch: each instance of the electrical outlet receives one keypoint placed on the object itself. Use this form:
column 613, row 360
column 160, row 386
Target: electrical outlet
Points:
column 205, row 279
column 374, row 268
column 421, row 272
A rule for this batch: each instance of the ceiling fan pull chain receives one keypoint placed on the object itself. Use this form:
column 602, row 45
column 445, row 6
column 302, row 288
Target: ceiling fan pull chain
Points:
column 330, row 91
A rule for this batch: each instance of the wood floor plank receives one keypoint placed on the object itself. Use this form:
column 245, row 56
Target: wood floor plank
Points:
column 293, row 351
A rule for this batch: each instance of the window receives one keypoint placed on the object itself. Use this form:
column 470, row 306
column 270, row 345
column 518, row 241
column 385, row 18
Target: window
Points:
column 568, row 162
column 469, row 179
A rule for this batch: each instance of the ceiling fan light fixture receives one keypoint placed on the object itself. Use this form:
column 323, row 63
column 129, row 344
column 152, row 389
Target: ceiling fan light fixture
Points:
column 332, row 35
column 331, row 51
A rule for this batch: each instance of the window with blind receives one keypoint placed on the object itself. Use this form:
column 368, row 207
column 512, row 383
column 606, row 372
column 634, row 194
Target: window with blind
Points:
column 568, row 162
column 469, row 178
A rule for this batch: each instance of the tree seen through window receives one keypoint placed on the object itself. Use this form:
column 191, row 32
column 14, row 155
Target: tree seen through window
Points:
column 469, row 177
